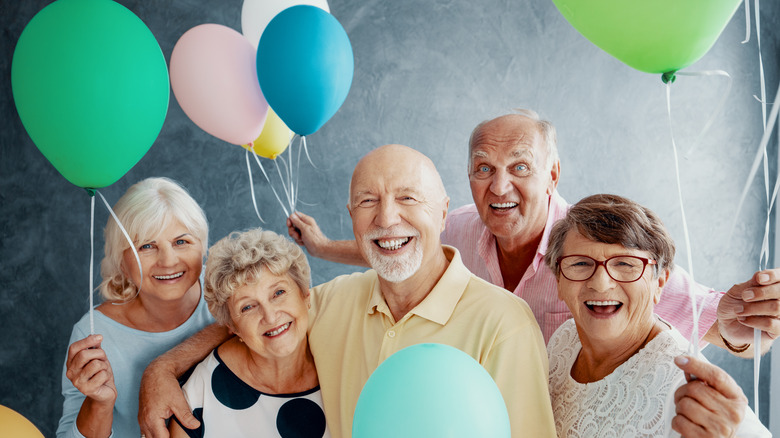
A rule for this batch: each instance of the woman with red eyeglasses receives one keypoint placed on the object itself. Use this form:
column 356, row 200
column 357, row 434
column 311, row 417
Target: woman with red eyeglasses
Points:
column 612, row 367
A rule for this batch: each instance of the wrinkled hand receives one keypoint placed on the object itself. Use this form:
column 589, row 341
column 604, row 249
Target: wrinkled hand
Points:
column 711, row 405
column 159, row 398
column 89, row 370
column 305, row 231
column 749, row 305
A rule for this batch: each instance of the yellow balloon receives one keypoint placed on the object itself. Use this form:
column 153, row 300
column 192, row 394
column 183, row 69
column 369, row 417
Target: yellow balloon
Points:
column 14, row 425
column 274, row 138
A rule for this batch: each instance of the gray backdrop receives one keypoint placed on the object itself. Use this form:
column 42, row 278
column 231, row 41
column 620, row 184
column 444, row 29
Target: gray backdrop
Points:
column 426, row 72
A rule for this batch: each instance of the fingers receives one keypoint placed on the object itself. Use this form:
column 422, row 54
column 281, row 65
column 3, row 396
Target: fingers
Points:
column 184, row 414
column 767, row 276
column 765, row 285
column 91, row 341
column 710, row 374
column 769, row 325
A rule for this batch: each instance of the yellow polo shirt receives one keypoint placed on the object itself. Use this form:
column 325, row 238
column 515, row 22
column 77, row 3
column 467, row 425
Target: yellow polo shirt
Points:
column 352, row 331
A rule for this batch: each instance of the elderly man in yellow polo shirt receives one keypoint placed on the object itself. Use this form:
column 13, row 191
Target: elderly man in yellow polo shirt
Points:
column 418, row 291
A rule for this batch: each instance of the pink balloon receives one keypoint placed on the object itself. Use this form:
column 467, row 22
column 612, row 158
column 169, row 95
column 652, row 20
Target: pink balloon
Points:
column 214, row 79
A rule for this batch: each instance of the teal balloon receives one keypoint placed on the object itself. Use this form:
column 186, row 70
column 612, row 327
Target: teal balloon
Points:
column 430, row 390
column 91, row 87
column 304, row 66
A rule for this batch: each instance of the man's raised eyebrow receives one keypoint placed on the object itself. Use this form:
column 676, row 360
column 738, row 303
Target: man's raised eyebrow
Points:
column 522, row 153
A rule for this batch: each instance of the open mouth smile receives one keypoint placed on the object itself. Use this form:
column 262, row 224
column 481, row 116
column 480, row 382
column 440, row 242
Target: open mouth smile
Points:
column 503, row 206
column 603, row 307
column 168, row 277
column 277, row 331
column 392, row 244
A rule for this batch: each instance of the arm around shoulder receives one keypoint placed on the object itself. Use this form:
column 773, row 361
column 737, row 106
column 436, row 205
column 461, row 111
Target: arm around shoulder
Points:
column 160, row 396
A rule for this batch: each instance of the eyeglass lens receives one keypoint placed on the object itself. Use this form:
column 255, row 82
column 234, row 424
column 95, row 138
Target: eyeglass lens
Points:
column 620, row 268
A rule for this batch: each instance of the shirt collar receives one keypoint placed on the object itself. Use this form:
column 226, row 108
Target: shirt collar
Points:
column 440, row 302
column 556, row 210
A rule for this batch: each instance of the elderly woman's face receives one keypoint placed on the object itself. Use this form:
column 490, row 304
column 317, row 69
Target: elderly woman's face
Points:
column 603, row 308
column 271, row 315
column 171, row 263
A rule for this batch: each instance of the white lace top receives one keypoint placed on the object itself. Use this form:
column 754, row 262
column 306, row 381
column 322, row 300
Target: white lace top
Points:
column 636, row 400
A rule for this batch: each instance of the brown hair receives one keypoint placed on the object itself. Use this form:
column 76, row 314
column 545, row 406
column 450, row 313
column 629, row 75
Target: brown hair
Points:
column 614, row 219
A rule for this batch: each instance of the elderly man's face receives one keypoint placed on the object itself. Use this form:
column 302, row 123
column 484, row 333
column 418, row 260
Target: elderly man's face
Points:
column 398, row 207
column 509, row 177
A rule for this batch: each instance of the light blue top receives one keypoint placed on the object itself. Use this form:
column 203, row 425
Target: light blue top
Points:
column 129, row 351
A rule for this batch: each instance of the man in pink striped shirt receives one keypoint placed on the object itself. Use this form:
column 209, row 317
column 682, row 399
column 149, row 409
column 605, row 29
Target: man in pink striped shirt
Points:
column 502, row 237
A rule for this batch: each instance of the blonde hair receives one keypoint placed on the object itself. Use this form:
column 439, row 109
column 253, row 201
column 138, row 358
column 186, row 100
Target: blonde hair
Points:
column 147, row 208
column 238, row 260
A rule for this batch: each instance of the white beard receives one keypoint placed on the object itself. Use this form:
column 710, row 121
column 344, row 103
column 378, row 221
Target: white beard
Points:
column 395, row 268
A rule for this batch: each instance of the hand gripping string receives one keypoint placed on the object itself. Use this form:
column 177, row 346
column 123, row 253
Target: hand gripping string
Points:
column 252, row 186
column 132, row 246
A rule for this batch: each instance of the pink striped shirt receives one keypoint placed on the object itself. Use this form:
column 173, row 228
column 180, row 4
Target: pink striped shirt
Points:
column 538, row 287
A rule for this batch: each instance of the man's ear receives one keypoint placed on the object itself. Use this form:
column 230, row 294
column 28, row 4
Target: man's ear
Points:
column 555, row 174
column 445, row 210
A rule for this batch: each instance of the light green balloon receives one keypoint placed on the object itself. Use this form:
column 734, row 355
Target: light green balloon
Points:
column 91, row 87
column 653, row 36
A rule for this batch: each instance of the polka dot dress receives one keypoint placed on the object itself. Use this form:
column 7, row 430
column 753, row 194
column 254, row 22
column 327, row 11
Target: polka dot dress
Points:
column 228, row 407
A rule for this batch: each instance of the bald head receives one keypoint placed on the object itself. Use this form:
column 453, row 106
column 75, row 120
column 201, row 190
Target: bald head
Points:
column 399, row 164
column 514, row 128
column 398, row 208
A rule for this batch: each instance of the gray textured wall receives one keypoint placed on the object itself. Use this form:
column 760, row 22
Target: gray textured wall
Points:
column 425, row 73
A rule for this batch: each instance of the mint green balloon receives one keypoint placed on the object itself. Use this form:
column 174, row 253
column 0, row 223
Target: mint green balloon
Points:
column 653, row 36
column 91, row 87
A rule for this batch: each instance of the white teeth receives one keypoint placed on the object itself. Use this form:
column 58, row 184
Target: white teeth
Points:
column 602, row 303
column 392, row 244
column 504, row 205
column 169, row 277
column 279, row 330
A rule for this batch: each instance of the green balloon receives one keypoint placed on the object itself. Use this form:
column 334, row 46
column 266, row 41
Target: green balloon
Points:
column 91, row 87
column 653, row 36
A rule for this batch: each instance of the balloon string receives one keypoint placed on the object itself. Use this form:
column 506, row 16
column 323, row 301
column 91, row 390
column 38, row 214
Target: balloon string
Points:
column 298, row 169
column 763, row 259
column 692, row 295
column 132, row 246
column 283, row 178
column 290, row 178
column 91, row 265
column 747, row 21
column 718, row 107
column 259, row 164
column 760, row 153
column 306, row 149
column 252, row 185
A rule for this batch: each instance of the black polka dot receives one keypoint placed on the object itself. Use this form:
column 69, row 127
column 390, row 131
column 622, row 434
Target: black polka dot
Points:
column 300, row 418
column 230, row 390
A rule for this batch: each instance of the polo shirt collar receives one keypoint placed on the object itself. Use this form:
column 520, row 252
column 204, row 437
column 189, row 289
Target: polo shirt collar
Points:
column 440, row 303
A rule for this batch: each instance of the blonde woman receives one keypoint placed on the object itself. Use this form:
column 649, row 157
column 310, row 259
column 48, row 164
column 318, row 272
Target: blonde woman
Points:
column 145, row 312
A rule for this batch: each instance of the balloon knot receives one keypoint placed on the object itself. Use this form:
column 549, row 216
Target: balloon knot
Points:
column 90, row 192
column 669, row 77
